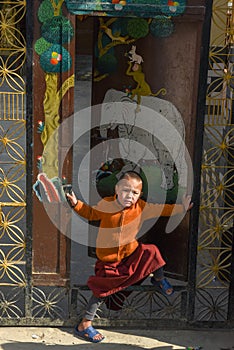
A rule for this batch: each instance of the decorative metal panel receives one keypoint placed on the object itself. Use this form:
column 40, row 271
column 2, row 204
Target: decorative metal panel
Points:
column 12, row 147
column 217, row 192
column 12, row 160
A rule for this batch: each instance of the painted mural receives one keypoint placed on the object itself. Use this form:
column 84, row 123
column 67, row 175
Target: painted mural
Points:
column 130, row 8
column 56, row 31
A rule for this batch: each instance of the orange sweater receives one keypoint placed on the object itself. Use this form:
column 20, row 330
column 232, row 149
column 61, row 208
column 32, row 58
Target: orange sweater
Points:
column 119, row 226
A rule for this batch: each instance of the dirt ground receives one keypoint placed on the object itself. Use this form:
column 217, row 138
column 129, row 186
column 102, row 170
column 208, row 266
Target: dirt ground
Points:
column 38, row 338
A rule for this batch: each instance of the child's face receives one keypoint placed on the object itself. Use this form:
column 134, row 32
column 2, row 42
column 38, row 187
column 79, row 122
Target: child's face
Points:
column 128, row 191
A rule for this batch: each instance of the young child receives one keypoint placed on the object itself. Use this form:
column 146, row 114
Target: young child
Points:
column 121, row 260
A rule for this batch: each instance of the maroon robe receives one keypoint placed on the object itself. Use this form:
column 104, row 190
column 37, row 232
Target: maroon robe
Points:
column 114, row 277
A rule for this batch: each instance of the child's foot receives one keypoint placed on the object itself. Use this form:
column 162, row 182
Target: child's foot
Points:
column 85, row 331
column 163, row 286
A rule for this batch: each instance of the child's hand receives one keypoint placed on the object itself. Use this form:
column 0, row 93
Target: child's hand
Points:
column 187, row 202
column 72, row 198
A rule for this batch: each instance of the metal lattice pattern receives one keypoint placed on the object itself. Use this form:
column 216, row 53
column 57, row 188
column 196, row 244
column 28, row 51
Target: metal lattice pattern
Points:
column 48, row 303
column 217, row 191
column 11, row 303
column 142, row 303
column 12, row 60
column 12, row 156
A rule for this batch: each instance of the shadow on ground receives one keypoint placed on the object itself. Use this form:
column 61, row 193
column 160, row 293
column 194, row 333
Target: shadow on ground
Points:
column 40, row 338
column 86, row 346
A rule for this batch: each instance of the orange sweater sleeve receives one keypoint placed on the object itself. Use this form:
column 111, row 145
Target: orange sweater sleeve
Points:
column 151, row 210
column 87, row 212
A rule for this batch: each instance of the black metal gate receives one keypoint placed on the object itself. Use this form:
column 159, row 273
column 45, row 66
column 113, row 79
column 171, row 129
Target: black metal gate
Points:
column 207, row 299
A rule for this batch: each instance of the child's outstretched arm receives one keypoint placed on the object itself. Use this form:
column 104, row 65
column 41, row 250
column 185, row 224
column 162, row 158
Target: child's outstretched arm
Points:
column 155, row 210
column 83, row 209
column 186, row 201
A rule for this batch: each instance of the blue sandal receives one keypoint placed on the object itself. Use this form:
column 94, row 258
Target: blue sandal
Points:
column 163, row 286
column 88, row 334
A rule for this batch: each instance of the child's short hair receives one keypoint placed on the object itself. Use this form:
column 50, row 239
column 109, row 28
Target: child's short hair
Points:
column 131, row 175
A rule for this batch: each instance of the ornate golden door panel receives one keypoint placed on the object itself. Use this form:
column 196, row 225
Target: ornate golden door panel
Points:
column 13, row 279
column 214, row 277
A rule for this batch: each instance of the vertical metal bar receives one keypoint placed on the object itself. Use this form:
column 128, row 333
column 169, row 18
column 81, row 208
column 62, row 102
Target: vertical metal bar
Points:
column 228, row 200
column 73, row 305
column 183, row 304
column 230, row 315
column 12, row 107
column 29, row 135
column 8, row 107
column 4, row 107
column 197, row 160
